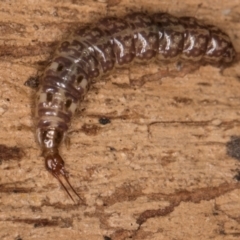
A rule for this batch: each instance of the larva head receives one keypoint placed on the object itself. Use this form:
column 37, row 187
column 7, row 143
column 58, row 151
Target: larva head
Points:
column 50, row 139
column 55, row 165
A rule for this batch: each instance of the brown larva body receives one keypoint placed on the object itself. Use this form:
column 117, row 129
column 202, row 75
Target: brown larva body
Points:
column 92, row 51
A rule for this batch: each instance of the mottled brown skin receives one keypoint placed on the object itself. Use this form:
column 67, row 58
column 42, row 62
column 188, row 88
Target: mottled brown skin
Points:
column 92, row 51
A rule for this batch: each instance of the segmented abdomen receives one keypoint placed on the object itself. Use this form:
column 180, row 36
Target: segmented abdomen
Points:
column 92, row 51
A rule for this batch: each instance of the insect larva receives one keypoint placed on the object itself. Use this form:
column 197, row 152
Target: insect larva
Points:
column 92, row 51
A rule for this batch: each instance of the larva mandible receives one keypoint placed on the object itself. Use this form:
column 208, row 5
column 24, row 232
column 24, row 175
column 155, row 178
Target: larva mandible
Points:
column 92, row 51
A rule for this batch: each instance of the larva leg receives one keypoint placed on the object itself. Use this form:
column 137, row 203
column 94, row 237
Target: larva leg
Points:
column 33, row 82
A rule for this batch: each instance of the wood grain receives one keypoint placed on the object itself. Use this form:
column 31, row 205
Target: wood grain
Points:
column 165, row 167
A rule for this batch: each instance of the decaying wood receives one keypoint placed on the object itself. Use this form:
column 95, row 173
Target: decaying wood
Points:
column 165, row 167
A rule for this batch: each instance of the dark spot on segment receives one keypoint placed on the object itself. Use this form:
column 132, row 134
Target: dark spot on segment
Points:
column 68, row 103
column 80, row 85
column 53, row 84
column 60, row 67
column 104, row 120
column 233, row 147
column 62, row 64
column 49, row 97
column 80, row 79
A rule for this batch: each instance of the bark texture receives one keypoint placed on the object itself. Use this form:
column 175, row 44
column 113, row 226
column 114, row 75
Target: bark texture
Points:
column 165, row 167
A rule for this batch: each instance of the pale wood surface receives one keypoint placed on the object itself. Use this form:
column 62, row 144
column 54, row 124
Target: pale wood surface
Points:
column 159, row 170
